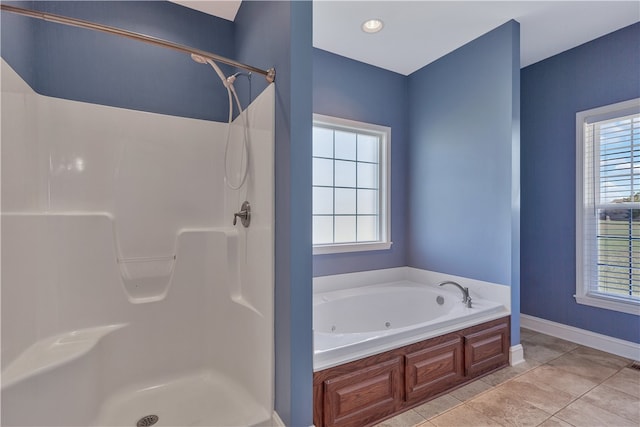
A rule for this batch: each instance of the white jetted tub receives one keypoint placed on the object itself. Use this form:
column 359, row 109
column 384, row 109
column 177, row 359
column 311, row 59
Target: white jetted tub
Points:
column 350, row 324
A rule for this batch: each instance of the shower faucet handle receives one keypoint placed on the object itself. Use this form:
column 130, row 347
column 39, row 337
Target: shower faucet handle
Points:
column 244, row 214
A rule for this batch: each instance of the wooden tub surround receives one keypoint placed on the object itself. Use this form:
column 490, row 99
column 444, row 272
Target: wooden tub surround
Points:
column 367, row 391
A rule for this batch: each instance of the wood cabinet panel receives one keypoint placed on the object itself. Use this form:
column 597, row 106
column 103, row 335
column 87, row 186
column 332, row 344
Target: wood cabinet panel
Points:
column 434, row 369
column 365, row 395
column 487, row 348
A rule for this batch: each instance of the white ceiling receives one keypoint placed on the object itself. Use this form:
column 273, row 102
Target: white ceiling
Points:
column 417, row 33
column 226, row 9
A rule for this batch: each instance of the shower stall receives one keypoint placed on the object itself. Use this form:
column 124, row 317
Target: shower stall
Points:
column 130, row 295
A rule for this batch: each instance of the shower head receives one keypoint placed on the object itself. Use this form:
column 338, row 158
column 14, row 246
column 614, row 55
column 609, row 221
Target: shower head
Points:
column 199, row 59
column 226, row 81
column 203, row 60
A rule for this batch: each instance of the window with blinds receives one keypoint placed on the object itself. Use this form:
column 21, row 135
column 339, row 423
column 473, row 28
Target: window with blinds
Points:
column 609, row 212
column 350, row 191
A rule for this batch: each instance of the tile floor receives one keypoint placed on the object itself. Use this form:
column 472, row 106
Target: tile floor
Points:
column 561, row 384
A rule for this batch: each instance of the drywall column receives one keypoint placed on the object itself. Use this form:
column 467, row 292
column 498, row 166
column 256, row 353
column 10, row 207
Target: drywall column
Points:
column 279, row 34
column 464, row 180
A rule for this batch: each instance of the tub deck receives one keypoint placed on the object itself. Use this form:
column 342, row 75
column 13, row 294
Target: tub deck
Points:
column 354, row 323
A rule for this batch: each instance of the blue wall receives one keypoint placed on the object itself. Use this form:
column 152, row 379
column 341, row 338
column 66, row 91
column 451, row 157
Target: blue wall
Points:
column 455, row 158
column 84, row 65
column 19, row 52
column 279, row 34
column 353, row 90
column 601, row 72
column 464, row 165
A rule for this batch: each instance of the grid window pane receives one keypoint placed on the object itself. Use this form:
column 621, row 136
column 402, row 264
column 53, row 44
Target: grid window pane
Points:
column 345, row 174
column 322, row 201
column 322, row 172
column 345, row 229
column 368, row 148
column 367, row 228
column 367, row 175
column 368, row 202
column 322, row 229
column 345, row 201
column 322, row 142
column 345, row 145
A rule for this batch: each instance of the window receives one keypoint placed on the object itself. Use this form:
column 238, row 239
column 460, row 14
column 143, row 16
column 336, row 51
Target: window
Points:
column 350, row 186
column 608, row 207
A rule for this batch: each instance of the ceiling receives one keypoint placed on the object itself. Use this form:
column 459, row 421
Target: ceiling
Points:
column 226, row 9
column 417, row 33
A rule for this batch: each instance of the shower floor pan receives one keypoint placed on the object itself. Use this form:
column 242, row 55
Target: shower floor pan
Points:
column 203, row 399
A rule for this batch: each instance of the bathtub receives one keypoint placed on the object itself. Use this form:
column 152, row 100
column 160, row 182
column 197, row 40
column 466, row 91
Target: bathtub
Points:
column 353, row 323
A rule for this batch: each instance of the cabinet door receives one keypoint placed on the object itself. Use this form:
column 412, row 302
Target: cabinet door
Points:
column 487, row 349
column 434, row 369
column 364, row 395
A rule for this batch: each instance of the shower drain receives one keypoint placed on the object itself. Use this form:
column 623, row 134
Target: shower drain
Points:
column 147, row 420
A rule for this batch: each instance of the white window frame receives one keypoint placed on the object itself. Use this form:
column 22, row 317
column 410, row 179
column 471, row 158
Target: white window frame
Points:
column 384, row 208
column 584, row 294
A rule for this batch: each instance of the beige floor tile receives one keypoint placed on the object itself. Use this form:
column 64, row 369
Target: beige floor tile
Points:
column 437, row 406
column 583, row 366
column 471, row 390
column 554, row 343
column 582, row 413
column 597, row 356
column 527, row 333
column 615, row 401
column 560, row 379
column 538, row 394
column 463, row 415
column 555, row 374
column 627, row 380
column 509, row 372
column 555, row 422
column 544, row 348
column 540, row 352
column 508, row 409
column 405, row 419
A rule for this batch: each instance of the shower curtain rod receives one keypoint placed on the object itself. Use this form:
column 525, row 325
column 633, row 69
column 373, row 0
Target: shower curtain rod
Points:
column 269, row 74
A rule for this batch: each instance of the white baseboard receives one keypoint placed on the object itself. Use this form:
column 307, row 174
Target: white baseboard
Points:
column 606, row 343
column 516, row 354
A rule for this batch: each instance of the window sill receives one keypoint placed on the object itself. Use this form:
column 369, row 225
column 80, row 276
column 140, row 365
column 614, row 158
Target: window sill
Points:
column 609, row 303
column 351, row 247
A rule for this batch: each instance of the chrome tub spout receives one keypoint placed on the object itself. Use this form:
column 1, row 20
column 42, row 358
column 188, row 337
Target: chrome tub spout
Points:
column 466, row 299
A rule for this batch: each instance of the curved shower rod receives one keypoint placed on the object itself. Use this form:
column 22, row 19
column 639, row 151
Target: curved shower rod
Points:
column 269, row 74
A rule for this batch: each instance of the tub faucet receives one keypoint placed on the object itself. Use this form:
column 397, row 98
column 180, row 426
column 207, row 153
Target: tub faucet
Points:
column 466, row 299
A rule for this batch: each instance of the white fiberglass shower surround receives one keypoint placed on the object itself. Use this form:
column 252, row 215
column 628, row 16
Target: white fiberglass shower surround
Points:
column 128, row 295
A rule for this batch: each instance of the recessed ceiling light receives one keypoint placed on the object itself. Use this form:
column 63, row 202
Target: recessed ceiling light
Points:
column 372, row 26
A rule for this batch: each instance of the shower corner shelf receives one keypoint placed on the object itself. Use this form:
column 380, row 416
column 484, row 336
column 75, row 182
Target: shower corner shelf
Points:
column 146, row 279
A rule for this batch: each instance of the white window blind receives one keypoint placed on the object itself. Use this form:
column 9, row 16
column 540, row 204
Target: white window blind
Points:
column 610, row 207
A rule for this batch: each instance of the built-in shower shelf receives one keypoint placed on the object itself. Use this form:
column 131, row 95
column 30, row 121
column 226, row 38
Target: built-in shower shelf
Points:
column 55, row 351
